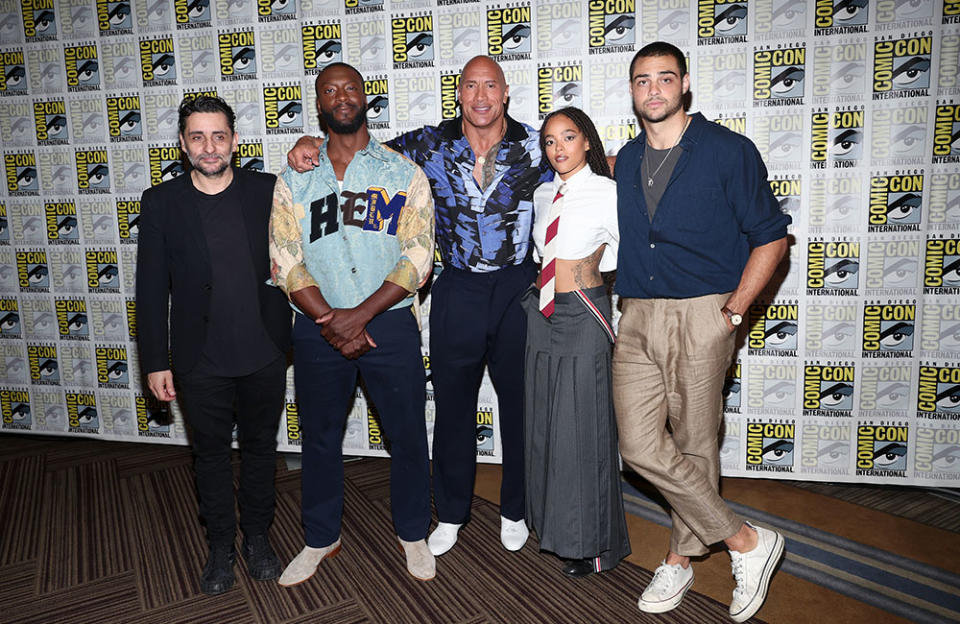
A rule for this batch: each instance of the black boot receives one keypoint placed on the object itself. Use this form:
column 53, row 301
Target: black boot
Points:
column 217, row 576
column 262, row 563
column 577, row 568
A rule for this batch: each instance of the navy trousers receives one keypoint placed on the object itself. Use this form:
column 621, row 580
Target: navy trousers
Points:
column 476, row 319
column 395, row 382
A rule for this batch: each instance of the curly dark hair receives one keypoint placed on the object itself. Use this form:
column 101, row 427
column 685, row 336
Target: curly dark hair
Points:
column 205, row 104
column 596, row 157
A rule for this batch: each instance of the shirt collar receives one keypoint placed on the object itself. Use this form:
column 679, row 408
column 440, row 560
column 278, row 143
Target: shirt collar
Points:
column 690, row 138
column 373, row 148
column 574, row 181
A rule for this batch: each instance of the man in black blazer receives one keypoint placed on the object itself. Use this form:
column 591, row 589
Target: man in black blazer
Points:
column 203, row 249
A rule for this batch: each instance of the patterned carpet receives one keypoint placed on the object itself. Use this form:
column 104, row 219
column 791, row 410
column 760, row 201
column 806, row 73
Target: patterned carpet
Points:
column 107, row 532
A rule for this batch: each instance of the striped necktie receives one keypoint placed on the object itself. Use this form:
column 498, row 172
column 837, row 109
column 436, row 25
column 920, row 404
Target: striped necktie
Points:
column 548, row 271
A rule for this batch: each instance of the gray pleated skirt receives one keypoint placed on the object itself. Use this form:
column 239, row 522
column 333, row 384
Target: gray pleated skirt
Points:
column 574, row 500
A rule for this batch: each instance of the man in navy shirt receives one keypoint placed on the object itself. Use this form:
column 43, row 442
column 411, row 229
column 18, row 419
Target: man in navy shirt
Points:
column 700, row 236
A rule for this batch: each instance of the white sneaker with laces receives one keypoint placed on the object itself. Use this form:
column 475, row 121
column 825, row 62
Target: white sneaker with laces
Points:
column 666, row 588
column 443, row 538
column 752, row 571
column 513, row 533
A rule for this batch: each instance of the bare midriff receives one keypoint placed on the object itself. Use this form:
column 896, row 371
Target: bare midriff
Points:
column 578, row 274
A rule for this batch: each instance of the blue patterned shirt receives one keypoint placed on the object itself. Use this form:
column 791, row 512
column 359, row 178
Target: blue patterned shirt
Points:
column 479, row 230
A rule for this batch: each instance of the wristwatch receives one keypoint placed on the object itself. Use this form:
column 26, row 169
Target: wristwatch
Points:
column 735, row 319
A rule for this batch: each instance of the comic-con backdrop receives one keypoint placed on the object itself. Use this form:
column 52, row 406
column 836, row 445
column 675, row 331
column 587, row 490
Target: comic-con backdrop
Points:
column 850, row 371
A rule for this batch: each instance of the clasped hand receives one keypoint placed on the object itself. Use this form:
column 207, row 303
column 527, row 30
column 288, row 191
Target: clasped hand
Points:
column 345, row 330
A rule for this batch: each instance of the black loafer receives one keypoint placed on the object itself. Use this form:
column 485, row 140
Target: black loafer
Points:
column 217, row 576
column 577, row 568
column 262, row 562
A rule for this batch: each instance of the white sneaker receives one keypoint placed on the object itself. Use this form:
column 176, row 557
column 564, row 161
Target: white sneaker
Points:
column 513, row 533
column 752, row 571
column 666, row 588
column 443, row 538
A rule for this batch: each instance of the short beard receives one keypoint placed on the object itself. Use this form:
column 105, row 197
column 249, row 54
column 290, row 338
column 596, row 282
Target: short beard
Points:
column 210, row 174
column 663, row 115
column 351, row 127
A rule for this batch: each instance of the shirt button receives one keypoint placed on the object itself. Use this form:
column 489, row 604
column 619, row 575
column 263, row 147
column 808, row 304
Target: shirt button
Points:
column 651, row 278
column 653, row 245
column 353, row 270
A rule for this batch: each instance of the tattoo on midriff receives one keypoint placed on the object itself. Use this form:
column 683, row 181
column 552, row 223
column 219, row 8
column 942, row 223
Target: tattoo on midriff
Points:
column 578, row 274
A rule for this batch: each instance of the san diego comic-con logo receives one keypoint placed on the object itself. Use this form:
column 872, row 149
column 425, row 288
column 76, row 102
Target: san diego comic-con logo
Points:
column 248, row 156
column 103, row 274
column 736, row 122
column 824, row 446
column 375, row 437
column 730, row 445
column 191, row 14
column 354, row 7
column 509, row 28
column 779, row 138
column 61, row 223
column 833, row 268
column 93, row 171
column 485, row 431
column 283, row 109
column 112, row 368
column 951, row 12
column 39, row 20
column 322, row 44
column 414, row 98
column 788, row 190
column 882, row 449
column 888, row 329
column 15, row 408
column 731, row 389
column 612, row 26
column 50, row 119
column 936, row 452
column 412, row 40
column 938, row 392
column 449, row 81
column 559, row 86
column 835, row 202
column 828, row 389
column 840, row 17
column 726, row 72
column 896, row 202
column 114, row 18
column 770, row 445
column 238, row 55
column 43, row 364
column 197, row 60
column 721, row 22
column 773, row 329
column 378, row 102
column 82, row 67
column 164, row 162
column 291, row 420
column 948, row 71
column 839, row 71
column 276, row 10
column 123, row 118
column 941, row 266
column 846, row 137
column 10, row 326
column 771, row 389
column 831, row 330
column 13, row 73
column 559, row 27
column 158, row 66
column 944, row 201
column 665, row 20
column 32, row 271
column 946, row 134
column 901, row 67
column 82, row 414
column 940, row 330
column 21, row 172
column 39, row 320
column 898, row 134
column 885, row 390
column 128, row 220
column 779, row 75
column 72, row 320
column 915, row 14
column 280, row 51
column 366, row 40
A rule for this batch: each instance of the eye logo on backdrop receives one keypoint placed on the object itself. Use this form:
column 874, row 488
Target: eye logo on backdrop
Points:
column 32, row 271
column 322, row 44
column 112, row 368
column 898, row 133
column 612, row 26
column 901, row 67
column 773, row 329
column 888, row 329
column 937, row 452
column 82, row 66
column 771, row 389
column 946, row 134
column 840, row 17
column 82, row 414
column 882, row 449
column 833, row 268
column 13, row 73
column 731, row 389
column 103, row 273
column 845, row 143
column 412, row 38
column 509, row 28
column 414, row 98
column 896, row 202
column 123, row 118
column 238, row 55
column 158, row 65
column 153, row 417
column 10, row 326
column 828, row 389
column 93, row 171
column 721, row 22
column 283, row 109
column 50, row 119
column 39, row 20
column 839, row 71
column 191, row 13
column 15, row 408
column 44, row 368
column 128, row 220
column 114, row 18
column 938, row 393
column 770, row 445
column 248, row 156
column 885, row 390
column 944, row 201
column 164, row 162
column 378, row 102
column 941, row 266
column 61, row 220
column 276, row 10
column 559, row 86
column 726, row 71
column 825, row 447
column 778, row 76
column 484, row 431
column 21, row 170
column 72, row 319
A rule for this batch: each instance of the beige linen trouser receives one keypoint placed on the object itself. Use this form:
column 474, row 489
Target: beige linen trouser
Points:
column 669, row 364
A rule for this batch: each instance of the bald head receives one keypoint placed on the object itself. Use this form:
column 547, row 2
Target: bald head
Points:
column 483, row 65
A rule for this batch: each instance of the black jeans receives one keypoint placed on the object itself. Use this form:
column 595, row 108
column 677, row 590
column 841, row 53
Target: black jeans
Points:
column 210, row 402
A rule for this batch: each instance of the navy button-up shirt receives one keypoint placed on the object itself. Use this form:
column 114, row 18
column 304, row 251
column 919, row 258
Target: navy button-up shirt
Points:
column 717, row 207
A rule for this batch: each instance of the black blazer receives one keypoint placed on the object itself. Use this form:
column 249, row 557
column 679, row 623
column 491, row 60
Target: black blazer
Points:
column 173, row 264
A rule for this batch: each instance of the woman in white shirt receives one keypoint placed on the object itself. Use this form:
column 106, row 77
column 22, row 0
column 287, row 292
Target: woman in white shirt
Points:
column 574, row 500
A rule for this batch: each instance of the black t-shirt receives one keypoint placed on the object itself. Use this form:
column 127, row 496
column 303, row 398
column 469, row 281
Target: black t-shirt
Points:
column 237, row 343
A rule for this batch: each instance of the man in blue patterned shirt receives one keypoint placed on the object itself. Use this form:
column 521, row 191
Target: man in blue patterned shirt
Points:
column 483, row 167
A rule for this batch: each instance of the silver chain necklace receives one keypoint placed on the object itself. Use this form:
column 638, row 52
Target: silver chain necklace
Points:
column 651, row 176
